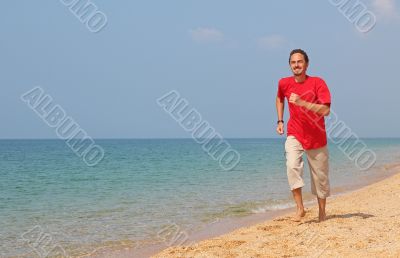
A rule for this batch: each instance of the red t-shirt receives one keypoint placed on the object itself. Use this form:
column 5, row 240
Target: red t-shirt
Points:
column 307, row 126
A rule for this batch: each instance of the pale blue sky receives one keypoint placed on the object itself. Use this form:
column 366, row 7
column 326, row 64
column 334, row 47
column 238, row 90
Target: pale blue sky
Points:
column 224, row 57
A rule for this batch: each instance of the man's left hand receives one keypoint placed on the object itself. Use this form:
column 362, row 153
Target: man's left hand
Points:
column 320, row 109
column 295, row 99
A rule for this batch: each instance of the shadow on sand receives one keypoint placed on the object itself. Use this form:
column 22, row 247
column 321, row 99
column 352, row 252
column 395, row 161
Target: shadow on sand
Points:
column 342, row 216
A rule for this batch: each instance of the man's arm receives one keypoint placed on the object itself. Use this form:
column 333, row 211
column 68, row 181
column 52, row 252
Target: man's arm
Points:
column 320, row 109
column 280, row 106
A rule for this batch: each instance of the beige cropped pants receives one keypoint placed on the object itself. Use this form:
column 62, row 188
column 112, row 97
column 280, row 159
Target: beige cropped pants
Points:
column 318, row 161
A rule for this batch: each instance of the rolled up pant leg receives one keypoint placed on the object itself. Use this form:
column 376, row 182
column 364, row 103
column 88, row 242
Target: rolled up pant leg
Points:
column 294, row 162
column 318, row 161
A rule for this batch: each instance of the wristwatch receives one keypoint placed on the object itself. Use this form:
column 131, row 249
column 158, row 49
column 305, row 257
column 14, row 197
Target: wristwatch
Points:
column 280, row 121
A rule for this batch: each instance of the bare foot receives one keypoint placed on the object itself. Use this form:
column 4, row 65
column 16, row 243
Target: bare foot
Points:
column 322, row 216
column 299, row 215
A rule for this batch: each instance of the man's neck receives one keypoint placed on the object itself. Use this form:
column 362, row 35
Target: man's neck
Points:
column 300, row 78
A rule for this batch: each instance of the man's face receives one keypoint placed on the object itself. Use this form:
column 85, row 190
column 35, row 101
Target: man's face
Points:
column 298, row 64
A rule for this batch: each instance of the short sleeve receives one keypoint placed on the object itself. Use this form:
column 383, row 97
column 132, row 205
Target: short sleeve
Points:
column 281, row 91
column 323, row 94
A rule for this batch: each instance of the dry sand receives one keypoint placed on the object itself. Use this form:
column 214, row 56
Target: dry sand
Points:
column 363, row 223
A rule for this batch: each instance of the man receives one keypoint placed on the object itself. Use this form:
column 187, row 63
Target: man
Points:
column 309, row 101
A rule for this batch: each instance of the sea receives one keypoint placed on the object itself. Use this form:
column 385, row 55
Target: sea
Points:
column 150, row 191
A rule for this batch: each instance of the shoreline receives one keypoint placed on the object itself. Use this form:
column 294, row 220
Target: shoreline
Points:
column 344, row 233
column 227, row 226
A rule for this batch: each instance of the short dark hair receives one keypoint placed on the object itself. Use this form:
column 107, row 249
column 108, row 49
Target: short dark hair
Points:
column 299, row 51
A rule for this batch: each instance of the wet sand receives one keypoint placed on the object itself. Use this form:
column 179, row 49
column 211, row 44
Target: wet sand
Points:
column 365, row 222
column 354, row 212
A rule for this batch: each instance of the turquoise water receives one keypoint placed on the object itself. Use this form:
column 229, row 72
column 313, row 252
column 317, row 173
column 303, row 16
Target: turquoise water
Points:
column 142, row 186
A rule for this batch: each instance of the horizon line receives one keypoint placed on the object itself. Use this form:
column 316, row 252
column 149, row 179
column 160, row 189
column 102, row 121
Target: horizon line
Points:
column 184, row 138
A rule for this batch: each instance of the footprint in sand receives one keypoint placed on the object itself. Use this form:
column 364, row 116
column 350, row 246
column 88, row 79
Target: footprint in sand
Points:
column 269, row 228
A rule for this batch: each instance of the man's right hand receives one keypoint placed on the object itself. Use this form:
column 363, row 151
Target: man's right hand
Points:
column 280, row 129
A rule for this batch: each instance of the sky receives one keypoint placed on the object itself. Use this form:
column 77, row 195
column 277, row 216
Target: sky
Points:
column 224, row 58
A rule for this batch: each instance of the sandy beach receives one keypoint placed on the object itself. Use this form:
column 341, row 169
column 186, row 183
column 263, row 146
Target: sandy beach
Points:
column 365, row 222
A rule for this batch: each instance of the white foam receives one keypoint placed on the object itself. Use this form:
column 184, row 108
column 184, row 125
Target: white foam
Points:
column 277, row 207
column 273, row 207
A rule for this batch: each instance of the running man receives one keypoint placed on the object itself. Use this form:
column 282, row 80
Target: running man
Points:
column 309, row 102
